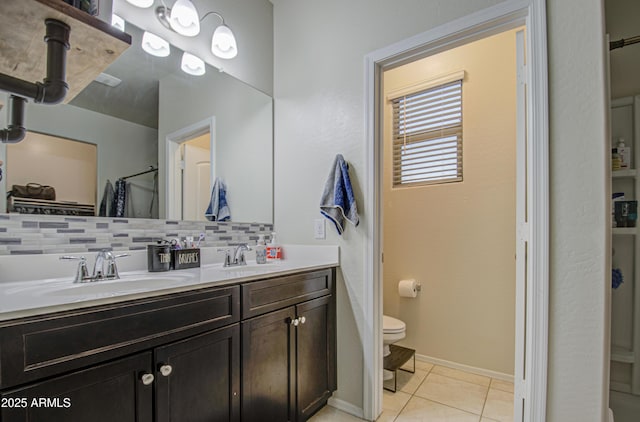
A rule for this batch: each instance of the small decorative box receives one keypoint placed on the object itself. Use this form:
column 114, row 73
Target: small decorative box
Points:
column 185, row 258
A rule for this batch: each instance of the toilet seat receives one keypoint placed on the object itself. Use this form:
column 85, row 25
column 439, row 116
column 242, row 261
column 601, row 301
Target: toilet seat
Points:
column 392, row 325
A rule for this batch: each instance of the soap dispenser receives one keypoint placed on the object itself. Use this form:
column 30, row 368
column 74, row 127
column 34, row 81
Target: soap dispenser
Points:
column 274, row 251
column 261, row 251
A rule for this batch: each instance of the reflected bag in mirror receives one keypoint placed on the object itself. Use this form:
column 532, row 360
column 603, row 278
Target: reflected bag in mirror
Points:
column 33, row 191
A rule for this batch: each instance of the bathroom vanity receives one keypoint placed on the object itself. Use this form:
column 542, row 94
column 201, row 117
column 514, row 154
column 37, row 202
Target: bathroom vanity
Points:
column 251, row 347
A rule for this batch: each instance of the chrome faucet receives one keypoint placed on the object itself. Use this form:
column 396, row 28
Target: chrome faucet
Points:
column 238, row 255
column 104, row 268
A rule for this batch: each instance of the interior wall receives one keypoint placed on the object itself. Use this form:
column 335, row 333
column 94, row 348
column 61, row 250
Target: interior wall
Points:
column 580, row 213
column 319, row 92
column 68, row 166
column 458, row 239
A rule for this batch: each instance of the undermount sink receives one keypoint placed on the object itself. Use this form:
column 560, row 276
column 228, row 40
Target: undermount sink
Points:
column 251, row 267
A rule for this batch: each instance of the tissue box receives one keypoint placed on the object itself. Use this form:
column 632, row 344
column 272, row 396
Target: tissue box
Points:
column 185, row 258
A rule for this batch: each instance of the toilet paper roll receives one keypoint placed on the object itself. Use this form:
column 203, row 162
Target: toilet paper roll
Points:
column 407, row 288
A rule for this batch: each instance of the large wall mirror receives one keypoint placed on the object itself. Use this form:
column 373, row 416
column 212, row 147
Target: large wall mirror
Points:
column 193, row 129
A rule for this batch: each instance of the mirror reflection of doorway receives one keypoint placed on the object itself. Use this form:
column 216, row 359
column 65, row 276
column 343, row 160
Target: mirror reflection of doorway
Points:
column 196, row 177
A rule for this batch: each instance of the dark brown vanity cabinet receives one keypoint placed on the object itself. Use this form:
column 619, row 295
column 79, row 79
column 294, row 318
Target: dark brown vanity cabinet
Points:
column 288, row 354
column 260, row 351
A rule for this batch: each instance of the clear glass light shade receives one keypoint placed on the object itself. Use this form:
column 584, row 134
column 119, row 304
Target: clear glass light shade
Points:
column 184, row 18
column 141, row 3
column 223, row 43
column 117, row 22
column 154, row 45
column 192, row 65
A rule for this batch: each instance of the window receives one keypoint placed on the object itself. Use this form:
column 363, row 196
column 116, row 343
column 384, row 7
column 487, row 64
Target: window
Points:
column 427, row 135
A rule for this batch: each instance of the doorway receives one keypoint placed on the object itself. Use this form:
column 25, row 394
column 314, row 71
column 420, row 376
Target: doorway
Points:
column 532, row 194
column 191, row 169
column 449, row 219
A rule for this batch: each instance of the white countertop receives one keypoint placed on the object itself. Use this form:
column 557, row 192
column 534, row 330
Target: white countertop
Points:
column 24, row 291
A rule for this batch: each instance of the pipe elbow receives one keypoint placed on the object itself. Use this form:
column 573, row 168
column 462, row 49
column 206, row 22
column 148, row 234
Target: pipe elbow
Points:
column 51, row 92
column 12, row 135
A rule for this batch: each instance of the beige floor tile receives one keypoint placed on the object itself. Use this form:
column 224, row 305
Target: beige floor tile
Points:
column 483, row 419
column 387, row 416
column 499, row 406
column 452, row 392
column 502, row 385
column 409, row 382
column 424, row 366
column 331, row 414
column 394, row 402
column 461, row 375
column 422, row 410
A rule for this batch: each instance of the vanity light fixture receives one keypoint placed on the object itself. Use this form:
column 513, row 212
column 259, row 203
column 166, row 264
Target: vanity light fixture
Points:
column 154, row 45
column 117, row 22
column 183, row 19
column 192, row 65
column 141, row 3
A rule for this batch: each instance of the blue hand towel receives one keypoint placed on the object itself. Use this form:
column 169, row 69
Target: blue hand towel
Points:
column 218, row 209
column 338, row 202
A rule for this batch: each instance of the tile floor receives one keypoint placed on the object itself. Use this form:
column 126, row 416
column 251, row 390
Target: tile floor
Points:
column 437, row 393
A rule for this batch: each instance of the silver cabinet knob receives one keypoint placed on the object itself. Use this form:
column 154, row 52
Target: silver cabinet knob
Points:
column 165, row 370
column 302, row 320
column 147, row 379
column 295, row 322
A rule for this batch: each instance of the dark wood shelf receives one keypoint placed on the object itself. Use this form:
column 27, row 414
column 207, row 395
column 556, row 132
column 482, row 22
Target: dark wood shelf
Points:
column 398, row 357
column 94, row 44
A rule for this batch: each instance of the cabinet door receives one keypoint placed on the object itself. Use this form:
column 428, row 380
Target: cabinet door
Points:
column 198, row 379
column 104, row 393
column 268, row 363
column 316, row 355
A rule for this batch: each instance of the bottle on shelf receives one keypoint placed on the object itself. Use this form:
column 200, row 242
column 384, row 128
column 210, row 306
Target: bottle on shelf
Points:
column 624, row 153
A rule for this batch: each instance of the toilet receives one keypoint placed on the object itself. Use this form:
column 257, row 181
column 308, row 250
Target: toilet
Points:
column 392, row 330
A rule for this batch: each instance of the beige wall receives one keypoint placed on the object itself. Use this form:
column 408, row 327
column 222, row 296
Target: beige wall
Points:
column 69, row 166
column 458, row 239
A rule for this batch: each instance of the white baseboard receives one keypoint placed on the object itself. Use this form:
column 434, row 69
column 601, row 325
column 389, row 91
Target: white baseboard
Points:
column 346, row 407
column 467, row 368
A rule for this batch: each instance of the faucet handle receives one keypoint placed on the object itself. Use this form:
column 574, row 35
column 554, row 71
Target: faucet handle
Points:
column 227, row 256
column 112, row 268
column 82, row 273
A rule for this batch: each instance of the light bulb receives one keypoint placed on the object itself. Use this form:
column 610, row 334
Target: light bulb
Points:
column 192, row 65
column 223, row 43
column 184, row 18
column 154, row 45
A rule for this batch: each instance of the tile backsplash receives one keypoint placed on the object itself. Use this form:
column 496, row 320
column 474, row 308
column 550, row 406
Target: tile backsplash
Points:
column 22, row 234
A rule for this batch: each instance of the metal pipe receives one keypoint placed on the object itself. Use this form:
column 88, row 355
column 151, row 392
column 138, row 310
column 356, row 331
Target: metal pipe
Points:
column 623, row 42
column 15, row 131
column 51, row 90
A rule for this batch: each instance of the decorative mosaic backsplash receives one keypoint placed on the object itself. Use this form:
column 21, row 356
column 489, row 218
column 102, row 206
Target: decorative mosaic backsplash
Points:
column 41, row 234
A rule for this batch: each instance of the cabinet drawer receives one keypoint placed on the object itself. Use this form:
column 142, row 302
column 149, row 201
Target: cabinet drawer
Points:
column 56, row 343
column 265, row 296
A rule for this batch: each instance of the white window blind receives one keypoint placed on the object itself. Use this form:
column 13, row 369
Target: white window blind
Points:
column 427, row 136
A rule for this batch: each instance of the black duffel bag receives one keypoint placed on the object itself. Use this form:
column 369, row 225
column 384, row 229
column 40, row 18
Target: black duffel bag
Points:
column 33, row 191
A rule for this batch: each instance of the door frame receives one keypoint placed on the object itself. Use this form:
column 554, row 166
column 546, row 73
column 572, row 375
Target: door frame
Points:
column 533, row 309
column 173, row 182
